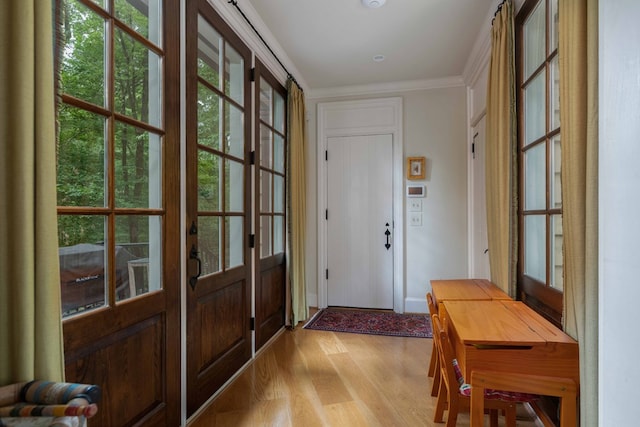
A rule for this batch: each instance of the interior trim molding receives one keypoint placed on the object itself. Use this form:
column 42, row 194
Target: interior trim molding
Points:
column 340, row 113
column 385, row 88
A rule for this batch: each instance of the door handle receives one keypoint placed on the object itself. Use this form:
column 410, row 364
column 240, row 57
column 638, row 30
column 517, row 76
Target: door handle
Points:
column 193, row 254
column 387, row 233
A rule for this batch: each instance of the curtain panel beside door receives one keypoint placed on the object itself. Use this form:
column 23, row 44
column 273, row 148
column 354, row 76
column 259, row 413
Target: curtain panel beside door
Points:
column 297, row 308
column 30, row 307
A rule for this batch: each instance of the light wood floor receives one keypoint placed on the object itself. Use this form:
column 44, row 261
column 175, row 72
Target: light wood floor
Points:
column 315, row 378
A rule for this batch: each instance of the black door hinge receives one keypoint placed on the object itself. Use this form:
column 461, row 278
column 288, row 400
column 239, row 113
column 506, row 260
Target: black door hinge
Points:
column 252, row 240
column 326, row 155
column 252, row 323
column 252, row 158
column 473, row 149
column 252, row 75
column 326, row 273
column 326, row 214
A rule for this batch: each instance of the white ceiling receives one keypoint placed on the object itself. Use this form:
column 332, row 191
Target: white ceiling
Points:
column 332, row 42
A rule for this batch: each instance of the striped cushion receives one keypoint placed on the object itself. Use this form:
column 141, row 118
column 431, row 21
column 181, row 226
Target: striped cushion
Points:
column 52, row 393
column 508, row 396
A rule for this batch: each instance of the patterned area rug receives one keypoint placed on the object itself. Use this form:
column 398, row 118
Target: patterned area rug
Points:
column 371, row 322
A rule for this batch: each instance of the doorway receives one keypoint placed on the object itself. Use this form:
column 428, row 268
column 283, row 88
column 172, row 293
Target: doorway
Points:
column 354, row 122
column 479, row 243
column 359, row 221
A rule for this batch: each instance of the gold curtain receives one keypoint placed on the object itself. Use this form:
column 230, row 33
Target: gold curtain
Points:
column 30, row 319
column 501, row 165
column 297, row 309
column 578, row 63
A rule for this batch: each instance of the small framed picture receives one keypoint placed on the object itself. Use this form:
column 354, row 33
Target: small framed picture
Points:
column 415, row 168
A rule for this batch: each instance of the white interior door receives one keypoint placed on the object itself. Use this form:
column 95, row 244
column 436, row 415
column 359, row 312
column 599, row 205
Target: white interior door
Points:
column 480, row 245
column 359, row 215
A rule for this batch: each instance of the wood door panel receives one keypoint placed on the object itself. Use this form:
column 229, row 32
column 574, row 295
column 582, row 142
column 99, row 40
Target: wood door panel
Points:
column 130, row 368
column 270, row 299
column 222, row 325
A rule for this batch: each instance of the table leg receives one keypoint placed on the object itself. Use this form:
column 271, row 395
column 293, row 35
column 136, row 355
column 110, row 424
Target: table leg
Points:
column 477, row 406
column 568, row 410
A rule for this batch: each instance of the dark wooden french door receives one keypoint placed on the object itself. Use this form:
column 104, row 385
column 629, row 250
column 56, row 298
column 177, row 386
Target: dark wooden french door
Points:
column 119, row 212
column 218, row 203
column 270, row 167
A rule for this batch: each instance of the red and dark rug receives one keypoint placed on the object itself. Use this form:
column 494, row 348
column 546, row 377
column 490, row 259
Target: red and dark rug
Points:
column 371, row 322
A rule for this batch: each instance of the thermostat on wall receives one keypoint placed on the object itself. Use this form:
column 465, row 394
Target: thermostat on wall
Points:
column 416, row 190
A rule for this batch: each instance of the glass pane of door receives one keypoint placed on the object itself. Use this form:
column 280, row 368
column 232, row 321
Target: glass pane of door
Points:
column 534, row 178
column 81, row 164
column 535, row 109
column 210, row 244
column 83, row 274
column 83, row 71
column 272, row 170
column 555, row 236
column 554, row 94
column 266, row 93
column 535, row 39
column 555, row 187
column 209, row 128
column 209, row 51
column 278, row 153
column 142, row 16
column 234, row 75
column 221, row 152
column 535, row 262
column 234, row 130
column 136, row 64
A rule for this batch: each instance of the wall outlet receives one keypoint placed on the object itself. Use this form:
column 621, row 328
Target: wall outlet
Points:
column 415, row 205
column 415, row 219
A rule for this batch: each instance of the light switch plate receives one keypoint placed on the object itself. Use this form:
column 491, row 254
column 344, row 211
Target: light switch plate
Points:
column 415, row 219
column 415, row 205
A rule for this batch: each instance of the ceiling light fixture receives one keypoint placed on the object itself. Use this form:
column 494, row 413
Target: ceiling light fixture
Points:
column 373, row 3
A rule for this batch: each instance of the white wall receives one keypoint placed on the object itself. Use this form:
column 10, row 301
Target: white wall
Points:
column 434, row 127
column 619, row 204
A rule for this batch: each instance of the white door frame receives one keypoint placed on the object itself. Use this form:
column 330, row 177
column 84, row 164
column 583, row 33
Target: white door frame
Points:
column 478, row 262
column 381, row 116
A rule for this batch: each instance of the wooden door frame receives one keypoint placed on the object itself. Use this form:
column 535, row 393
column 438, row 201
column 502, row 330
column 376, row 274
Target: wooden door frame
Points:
column 475, row 259
column 360, row 118
column 270, row 271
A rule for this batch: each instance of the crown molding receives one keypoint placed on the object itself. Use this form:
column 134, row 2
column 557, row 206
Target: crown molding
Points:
column 384, row 88
column 478, row 60
column 481, row 51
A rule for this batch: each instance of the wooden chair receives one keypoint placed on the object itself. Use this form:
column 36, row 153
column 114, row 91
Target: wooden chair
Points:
column 450, row 395
column 434, row 365
column 564, row 388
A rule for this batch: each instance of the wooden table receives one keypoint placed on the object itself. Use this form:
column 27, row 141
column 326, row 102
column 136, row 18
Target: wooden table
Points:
column 508, row 336
column 466, row 289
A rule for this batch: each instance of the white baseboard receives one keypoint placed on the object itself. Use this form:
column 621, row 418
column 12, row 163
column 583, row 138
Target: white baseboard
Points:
column 312, row 300
column 411, row 305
